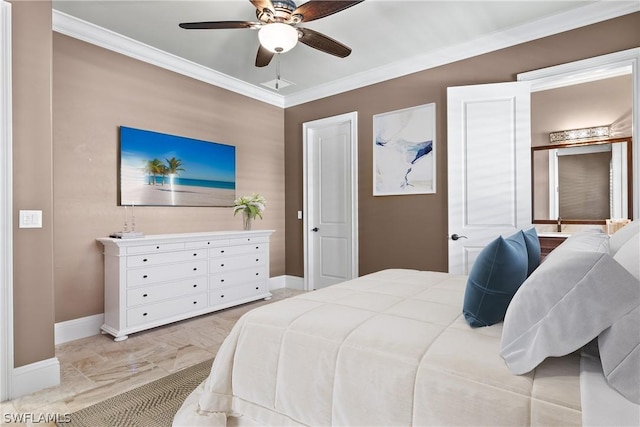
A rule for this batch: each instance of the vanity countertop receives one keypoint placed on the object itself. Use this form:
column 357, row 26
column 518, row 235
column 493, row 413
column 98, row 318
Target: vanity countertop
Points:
column 554, row 234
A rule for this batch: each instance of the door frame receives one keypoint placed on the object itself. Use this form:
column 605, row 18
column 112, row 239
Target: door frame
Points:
column 596, row 68
column 6, row 206
column 308, row 191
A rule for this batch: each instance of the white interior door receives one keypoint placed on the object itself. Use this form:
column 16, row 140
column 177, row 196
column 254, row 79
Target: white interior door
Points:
column 330, row 220
column 489, row 167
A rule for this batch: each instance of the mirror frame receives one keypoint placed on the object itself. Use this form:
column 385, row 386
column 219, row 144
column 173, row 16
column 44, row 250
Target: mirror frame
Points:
column 629, row 142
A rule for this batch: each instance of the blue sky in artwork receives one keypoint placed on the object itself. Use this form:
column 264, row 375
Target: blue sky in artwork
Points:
column 201, row 159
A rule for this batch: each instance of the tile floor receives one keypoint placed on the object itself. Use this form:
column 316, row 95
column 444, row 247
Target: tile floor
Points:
column 95, row 368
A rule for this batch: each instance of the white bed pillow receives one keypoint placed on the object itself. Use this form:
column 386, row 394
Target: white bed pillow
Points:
column 629, row 256
column 620, row 355
column 623, row 235
column 590, row 241
column 566, row 302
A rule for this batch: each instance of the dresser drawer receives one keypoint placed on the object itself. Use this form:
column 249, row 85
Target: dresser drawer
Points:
column 160, row 247
column 238, row 277
column 165, row 309
column 248, row 240
column 165, row 273
column 154, row 293
column 165, row 257
column 218, row 265
column 238, row 250
column 227, row 295
column 207, row 244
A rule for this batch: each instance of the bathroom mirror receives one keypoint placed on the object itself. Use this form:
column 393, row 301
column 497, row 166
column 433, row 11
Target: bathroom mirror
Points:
column 582, row 182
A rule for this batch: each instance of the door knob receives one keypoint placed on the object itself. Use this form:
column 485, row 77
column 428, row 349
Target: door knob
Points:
column 314, row 229
column 456, row 237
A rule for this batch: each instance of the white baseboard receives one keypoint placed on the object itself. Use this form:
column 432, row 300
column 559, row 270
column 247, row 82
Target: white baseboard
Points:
column 286, row 281
column 295, row 282
column 78, row 328
column 277, row 282
column 35, row 376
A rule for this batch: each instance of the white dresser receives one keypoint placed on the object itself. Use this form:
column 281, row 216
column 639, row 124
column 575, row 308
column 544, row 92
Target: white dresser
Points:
column 159, row 279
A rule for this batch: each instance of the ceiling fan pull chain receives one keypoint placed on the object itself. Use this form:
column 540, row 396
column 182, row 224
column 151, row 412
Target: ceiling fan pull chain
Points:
column 277, row 71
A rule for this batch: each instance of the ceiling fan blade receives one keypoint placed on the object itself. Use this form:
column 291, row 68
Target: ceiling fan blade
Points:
column 321, row 42
column 263, row 57
column 312, row 10
column 217, row 25
column 263, row 4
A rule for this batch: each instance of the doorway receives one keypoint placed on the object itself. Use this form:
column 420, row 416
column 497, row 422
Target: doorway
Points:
column 330, row 220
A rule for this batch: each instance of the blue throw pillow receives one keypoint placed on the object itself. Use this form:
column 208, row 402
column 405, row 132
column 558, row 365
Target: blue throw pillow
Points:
column 533, row 249
column 496, row 275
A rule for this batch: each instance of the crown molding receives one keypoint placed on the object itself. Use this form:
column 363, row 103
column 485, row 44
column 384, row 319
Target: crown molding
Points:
column 565, row 21
column 99, row 36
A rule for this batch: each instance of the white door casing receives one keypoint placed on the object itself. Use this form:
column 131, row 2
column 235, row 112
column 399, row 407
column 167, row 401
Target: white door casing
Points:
column 330, row 200
column 489, row 167
column 6, row 206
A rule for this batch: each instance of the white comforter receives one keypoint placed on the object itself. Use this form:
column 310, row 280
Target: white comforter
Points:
column 389, row 348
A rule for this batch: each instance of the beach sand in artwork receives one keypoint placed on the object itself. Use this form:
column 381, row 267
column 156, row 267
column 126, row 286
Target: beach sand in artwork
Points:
column 134, row 193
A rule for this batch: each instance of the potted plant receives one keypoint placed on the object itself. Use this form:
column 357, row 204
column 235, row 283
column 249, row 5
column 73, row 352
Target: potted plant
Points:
column 251, row 207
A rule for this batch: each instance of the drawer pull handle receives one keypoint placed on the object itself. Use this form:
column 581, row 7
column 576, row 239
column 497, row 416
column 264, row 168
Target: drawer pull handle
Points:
column 222, row 280
column 257, row 247
column 257, row 274
column 221, row 265
column 195, row 254
column 144, row 314
column 208, row 243
column 195, row 268
column 195, row 302
column 145, row 260
column 144, row 295
column 257, row 259
column 257, row 287
column 157, row 247
column 195, row 286
column 145, row 276
column 221, row 296
column 222, row 251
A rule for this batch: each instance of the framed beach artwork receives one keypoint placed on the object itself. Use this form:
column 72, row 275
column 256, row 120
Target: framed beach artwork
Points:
column 157, row 169
column 404, row 151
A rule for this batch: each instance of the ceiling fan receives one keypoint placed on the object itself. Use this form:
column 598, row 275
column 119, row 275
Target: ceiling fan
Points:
column 278, row 31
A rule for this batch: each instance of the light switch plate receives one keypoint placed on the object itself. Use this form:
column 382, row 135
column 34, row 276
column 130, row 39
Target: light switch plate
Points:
column 30, row 219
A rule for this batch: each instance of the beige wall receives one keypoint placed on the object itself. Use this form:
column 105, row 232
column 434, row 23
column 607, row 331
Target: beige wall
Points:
column 33, row 299
column 411, row 231
column 94, row 92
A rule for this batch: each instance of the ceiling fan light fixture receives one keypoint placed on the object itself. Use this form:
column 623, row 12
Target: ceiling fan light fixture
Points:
column 278, row 37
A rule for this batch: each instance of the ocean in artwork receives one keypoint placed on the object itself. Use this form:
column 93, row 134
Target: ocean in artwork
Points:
column 166, row 170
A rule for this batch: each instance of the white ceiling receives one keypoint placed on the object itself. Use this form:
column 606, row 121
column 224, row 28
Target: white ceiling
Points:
column 388, row 38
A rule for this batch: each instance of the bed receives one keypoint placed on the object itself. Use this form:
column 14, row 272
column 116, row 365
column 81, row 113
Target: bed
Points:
column 394, row 348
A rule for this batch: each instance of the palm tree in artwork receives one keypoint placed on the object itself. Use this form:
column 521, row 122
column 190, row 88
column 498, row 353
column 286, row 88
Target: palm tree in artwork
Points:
column 174, row 165
column 153, row 168
column 164, row 171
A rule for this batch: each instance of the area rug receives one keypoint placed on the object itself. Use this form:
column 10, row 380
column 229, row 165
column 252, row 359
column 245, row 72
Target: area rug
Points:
column 151, row 405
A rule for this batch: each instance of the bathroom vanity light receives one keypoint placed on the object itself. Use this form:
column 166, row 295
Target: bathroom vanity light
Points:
column 573, row 135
